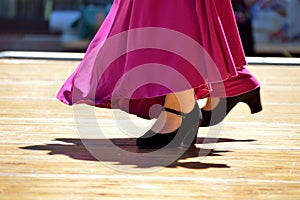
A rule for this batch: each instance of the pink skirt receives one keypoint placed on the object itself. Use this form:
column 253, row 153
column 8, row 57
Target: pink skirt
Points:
column 147, row 49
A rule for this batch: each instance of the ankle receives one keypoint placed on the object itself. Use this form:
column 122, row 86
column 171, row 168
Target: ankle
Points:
column 211, row 104
column 167, row 122
column 181, row 101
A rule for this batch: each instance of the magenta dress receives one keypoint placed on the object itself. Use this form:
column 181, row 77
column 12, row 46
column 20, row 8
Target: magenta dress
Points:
column 146, row 49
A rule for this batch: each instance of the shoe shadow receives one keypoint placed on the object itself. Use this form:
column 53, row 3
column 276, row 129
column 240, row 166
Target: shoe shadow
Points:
column 125, row 152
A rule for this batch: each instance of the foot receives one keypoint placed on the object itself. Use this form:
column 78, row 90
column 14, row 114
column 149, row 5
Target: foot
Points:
column 166, row 122
column 184, row 135
column 214, row 113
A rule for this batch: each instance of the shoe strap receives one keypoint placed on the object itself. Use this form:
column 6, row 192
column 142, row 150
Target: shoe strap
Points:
column 175, row 112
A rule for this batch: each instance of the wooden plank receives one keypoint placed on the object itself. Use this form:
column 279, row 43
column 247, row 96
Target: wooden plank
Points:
column 43, row 157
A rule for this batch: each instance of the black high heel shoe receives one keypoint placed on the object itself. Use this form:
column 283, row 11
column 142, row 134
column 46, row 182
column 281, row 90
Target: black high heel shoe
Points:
column 215, row 116
column 185, row 135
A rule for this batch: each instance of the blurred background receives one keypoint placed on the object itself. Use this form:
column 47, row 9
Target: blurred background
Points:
column 50, row 25
column 267, row 27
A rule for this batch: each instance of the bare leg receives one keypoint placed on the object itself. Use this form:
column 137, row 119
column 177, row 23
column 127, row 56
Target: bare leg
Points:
column 181, row 101
column 211, row 103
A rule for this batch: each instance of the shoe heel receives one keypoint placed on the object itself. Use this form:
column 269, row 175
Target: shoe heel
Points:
column 253, row 101
column 191, row 137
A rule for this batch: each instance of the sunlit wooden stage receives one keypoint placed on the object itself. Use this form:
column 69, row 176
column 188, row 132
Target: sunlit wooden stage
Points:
column 42, row 155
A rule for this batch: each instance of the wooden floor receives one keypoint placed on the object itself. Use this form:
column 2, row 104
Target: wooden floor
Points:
column 42, row 155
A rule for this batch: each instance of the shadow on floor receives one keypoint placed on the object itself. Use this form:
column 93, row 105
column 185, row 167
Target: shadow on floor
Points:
column 120, row 152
